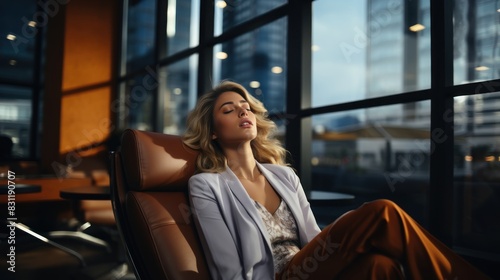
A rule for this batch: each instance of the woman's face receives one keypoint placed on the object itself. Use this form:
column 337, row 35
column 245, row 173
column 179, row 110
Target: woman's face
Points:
column 234, row 122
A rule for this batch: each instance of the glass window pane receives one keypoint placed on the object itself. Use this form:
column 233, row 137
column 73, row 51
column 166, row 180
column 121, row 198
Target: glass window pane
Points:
column 256, row 60
column 364, row 49
column 182, row 28
column 378, row 153
column 180, row 94
column 231, row 13
column 140, row 40
column 477, row 171
column 281, row 122
column 18, row 29
column 476, row 44
column 138, row 106
column 15, row 121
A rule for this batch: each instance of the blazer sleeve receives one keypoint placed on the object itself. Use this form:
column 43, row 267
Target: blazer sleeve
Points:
column 311, row 227
column 220, row 248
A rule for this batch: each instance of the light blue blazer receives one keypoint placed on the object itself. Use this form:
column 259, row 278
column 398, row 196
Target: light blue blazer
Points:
column 233, row 236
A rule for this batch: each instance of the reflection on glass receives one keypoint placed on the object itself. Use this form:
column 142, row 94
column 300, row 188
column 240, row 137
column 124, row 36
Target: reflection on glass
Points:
column 369, row 48
column 477, row 171
column 18, row 29
column 15, row 120
column 179, row 95
column 231, row 13
column 140, row 34
column 377, row 154
column 256, row 60
column 182, row 25
column 137, row 108
column 476, row 42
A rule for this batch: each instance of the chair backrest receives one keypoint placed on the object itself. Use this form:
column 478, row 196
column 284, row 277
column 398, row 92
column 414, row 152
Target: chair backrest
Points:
column 149, row 177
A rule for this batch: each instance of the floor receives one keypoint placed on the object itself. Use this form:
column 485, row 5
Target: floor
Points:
column 35, row 259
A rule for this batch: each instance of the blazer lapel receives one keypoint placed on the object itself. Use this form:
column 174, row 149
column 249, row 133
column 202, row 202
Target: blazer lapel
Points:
column 286, row 193
column 278, row 185
column 234, row 185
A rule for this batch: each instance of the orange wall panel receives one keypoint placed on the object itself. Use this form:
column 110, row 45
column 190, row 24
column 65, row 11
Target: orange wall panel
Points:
column 79, row 86
column 88, row 43
column 87, row 74
column 85, row 119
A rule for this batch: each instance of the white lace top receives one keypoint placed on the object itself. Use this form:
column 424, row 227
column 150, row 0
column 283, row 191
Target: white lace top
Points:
column 282, row 231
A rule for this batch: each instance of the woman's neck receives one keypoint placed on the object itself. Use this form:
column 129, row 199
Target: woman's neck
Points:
column 242, row 162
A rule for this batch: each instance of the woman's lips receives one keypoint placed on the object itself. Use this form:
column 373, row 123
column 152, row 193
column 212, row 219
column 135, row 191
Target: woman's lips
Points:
column 246, row 123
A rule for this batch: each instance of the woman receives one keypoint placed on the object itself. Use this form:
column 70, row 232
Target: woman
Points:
column 255, row 221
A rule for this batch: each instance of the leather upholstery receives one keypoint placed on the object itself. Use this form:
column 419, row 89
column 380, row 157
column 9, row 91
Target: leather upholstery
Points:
column 156, row 161
column 149, row 193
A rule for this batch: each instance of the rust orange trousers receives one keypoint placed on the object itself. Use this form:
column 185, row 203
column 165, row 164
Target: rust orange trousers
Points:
column 378, row 240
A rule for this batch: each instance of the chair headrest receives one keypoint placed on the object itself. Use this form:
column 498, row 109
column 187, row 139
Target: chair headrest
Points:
column 156, row 161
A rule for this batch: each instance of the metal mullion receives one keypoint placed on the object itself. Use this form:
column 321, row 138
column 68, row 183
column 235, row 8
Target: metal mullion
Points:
column 36, row 92
column 122, row 74
column 298, row 137
column 178, row 56
column 123, row 40
column 440, row 195
column 370, row 102
column 117, row 65
column 9, row 82
column 205, row 57
column 159, row 51
column 473, row 88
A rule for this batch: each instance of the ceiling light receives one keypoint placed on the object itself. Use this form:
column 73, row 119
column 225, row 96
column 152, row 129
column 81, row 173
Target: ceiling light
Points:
column 177, row 91
column 11, row 37
column 254, row 84
column 277, row 70
column 221, row 55
column 417, row 27
column 171, row 19
column 314, row 161
column 12, row 62
column 221, row 4
column 32, row 23
column 482, row 68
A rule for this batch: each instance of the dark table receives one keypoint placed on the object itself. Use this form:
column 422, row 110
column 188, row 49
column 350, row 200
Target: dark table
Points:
column 25, row 189
column 86, row 193
column 322, row 198
column 20, row 188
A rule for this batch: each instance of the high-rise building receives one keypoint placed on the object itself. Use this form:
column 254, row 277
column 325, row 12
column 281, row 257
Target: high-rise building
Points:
column 252, row 56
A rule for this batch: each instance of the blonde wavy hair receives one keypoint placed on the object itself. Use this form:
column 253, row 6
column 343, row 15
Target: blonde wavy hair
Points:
column 200, row 127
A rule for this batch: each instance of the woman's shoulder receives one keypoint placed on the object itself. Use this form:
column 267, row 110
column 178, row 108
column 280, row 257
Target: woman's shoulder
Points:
column 203, row 183
column 283, row 173
column 277, row 169
column 204, row 176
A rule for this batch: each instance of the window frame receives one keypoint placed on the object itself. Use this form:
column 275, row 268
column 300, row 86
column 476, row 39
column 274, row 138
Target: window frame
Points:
column 298, row 136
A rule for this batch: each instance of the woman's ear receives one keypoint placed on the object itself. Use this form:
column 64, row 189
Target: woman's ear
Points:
column 214, row 136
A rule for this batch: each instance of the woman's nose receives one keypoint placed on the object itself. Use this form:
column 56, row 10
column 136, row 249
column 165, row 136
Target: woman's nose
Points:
column 243, row 112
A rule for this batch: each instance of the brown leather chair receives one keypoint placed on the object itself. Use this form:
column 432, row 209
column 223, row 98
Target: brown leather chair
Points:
column 149, row 175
